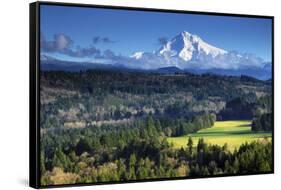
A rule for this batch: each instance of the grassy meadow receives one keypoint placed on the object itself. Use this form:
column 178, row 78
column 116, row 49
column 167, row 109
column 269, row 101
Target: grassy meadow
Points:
column 234, row 133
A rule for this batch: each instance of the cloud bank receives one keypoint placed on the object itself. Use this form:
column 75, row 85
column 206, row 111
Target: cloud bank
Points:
column 63, row 44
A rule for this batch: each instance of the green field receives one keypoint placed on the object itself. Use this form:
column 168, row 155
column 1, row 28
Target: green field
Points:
column 234, row 133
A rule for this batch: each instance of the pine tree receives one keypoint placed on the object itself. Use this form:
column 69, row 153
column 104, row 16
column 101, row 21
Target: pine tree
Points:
column 190, row 145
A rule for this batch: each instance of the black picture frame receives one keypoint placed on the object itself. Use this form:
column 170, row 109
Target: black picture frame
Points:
column 34, row 88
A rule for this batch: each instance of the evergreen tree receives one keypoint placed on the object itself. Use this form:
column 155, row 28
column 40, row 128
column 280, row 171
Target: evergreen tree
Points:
column 190, row 145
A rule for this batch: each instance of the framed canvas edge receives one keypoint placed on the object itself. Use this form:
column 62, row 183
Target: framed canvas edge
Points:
column 34, row 129
column 34, row 91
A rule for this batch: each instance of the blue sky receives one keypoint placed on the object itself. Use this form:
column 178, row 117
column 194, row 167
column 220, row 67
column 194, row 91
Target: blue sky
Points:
column 124, row 32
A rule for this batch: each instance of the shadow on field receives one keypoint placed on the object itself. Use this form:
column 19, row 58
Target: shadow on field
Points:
column 246, row 125
column 222, row 133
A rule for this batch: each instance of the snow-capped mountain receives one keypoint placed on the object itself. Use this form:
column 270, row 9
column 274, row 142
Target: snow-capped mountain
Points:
column 184, row 50
column 187, row 47
column 190, row 52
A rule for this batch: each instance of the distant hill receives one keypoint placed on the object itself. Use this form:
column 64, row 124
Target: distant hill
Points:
column 52, row 64
column 169, row 70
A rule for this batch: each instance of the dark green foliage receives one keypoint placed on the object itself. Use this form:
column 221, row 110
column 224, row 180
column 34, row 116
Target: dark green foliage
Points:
column 238, row 108
column 190, row 145
column 245, row 107
column 150, row 158
column 61, row 160
column 263, row 123
column 83, row 146
column 68, row 97
column 254, row 157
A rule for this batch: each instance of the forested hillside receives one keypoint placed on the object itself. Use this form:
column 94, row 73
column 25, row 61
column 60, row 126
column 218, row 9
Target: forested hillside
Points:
column 102, row 125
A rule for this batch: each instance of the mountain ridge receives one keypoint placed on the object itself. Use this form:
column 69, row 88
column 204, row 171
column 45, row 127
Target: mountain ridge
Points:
column 187, row 50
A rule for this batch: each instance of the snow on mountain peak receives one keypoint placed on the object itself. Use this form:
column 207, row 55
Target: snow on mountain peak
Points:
column 188, row 46
column 189, row 51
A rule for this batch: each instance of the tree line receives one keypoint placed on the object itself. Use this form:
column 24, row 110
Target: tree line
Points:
column 104, row 154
